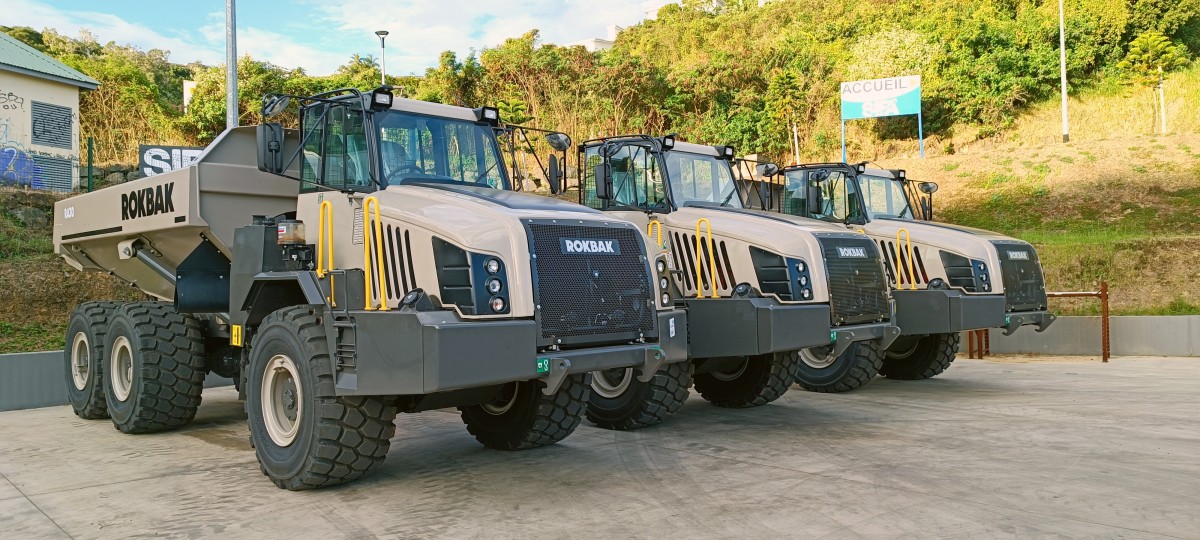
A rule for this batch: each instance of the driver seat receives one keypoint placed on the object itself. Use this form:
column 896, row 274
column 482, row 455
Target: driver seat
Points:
column 394, row 159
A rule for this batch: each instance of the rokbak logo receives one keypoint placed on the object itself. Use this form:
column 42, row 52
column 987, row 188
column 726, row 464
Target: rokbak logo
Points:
column 855, row 252
column 1018, row 255
column 149, row 201
column 606, row 247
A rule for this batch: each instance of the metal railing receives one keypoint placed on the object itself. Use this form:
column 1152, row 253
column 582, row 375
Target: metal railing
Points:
column 979, row 341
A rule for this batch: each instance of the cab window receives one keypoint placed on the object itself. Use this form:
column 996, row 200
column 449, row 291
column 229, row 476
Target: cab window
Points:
column 637, row 181
column 335, row 148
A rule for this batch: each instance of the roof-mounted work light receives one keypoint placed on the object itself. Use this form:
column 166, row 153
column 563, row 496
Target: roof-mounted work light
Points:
column 490, row 115
column 726, row 152
column 381, row 98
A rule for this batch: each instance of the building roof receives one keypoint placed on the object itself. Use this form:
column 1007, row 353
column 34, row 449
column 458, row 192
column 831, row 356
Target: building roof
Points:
column 20, row 58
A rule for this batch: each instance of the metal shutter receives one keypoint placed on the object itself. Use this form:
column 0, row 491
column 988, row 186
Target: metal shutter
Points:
column 58, row 174
column 52, row 125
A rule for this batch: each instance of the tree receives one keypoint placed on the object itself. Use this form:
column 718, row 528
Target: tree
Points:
column 1151, row 56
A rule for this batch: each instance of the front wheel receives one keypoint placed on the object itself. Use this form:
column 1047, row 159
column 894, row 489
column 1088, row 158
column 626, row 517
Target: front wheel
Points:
column 303, row 435
column 521, row 416
column 915, row 358
column 756, row 380
column 620, row 401
column 855, row 367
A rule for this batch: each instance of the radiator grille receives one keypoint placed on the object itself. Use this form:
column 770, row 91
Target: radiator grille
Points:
column 590, row 294
column 397, row 263
column 1024, row 288
column 684, row 251
column 858, row 288
column 901, row 277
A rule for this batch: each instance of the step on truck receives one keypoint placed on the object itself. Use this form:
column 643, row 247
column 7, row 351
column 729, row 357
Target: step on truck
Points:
column 945, row 278
column 758, row 287
column 369, row 263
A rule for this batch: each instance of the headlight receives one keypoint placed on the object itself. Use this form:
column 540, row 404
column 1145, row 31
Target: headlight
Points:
column 493, row 285
column 803, row 280
column 498, row 304
column 492, row 266
column 663, row 283
column 806, row 294
column 661, row 266
column 800, row 266
column 666, row 299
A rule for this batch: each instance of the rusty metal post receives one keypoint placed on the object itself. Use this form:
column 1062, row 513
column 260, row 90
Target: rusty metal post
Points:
column 1105, row 350
column 971, row 344
column 987, row 342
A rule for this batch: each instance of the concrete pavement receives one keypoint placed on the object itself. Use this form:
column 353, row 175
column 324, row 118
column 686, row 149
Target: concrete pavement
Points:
column 988, row 449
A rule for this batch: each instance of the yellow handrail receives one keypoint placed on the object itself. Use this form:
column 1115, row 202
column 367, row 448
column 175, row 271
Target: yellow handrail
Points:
column 651, row 228
column 377, row 240
column 325, row 247
column 712, row 260
column 900, row 249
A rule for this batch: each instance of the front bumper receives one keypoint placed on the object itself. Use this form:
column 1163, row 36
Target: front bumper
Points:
column 942, row 311
column 406, row 352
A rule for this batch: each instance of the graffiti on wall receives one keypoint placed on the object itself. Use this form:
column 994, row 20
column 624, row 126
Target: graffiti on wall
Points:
column 11, row 102
column 17, row 166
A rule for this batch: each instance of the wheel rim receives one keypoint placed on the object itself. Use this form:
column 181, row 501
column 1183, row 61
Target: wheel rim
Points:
column 504, row 402
column 611, row 383
column 901, row 354
column 282, row 400
column 121, row 368
column 81, row 361
column 818, row 357
column 731, row 374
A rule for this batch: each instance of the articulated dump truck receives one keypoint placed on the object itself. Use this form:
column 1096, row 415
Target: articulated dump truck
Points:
column 760, row 289
column 369, row 263
column 945, row 278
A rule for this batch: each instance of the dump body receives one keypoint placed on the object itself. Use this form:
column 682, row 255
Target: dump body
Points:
column 171, row 213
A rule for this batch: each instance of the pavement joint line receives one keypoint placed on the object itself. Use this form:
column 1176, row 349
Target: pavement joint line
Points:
column 910, row 490
column 39, row 509
column 126, row 481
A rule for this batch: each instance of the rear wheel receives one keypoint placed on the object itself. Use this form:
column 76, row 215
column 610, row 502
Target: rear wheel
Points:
column 521, row 416
column 620, row 401
column 303, row 435
column 913, row 358
column 855, row 367
column 756, row 380
column 84, row 356
column 155, row 367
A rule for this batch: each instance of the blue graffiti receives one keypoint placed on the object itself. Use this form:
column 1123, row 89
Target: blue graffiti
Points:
column 18, row 168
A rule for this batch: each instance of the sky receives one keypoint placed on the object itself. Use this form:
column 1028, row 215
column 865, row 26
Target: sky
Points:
column 318, row 35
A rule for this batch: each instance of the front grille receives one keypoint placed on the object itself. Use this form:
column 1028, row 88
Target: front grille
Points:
column 858, row 287
column 1024, row 287
column 586, row 295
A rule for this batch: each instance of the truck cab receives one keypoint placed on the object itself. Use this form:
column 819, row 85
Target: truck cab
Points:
column 759, row 288
column 945, row 278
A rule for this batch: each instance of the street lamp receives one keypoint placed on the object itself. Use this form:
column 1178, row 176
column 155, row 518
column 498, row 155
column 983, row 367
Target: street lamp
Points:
column 382, row 58
column 1062, row 67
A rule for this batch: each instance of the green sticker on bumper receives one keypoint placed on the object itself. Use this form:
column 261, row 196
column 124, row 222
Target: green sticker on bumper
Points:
column 543, row 366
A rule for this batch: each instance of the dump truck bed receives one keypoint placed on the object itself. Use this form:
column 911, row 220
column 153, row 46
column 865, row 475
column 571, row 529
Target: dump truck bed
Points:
column 172, row 213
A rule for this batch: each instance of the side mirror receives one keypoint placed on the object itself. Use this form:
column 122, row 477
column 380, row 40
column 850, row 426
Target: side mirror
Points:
column 814, row 200
column 767, row 170
column 604, row 181
column 270, row 147
column 818, row 176
column 273, row 105
column 928, row 188
column 554, row 175
column 560, row 142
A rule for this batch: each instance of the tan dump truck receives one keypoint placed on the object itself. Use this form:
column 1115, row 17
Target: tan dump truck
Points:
column 370, row 263
column 945, row 278
column 758, row 287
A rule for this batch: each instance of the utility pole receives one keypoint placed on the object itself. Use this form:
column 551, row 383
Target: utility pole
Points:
column 382, row 57
column 1062, row 68
column 231, row 90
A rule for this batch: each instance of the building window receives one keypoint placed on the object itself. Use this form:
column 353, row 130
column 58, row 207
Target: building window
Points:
column 52, row 125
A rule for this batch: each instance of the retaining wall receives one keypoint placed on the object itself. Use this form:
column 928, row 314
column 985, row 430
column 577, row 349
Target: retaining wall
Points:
column 1128, row 336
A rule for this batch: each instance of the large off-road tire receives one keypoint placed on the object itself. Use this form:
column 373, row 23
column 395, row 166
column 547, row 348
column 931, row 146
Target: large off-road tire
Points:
column 84, row 356
column 855, row 367
column 758, row 380
column 620, row 401
column 920, row 358
column 303, row 435
column 155, row 367
column 523, row 417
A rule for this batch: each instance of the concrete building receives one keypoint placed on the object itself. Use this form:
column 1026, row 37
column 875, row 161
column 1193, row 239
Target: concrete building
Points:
column 39, row 118
column 599, row 44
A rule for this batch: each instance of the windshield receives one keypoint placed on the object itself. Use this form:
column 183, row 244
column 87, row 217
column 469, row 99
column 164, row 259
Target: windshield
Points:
column 838, row 199
column 884, row 197
column 697, row 178
column 422, row 148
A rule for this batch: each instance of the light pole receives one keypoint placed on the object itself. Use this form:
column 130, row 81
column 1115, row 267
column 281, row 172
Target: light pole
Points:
column 382, row 57
column 1062, row 68
column 231, row 91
